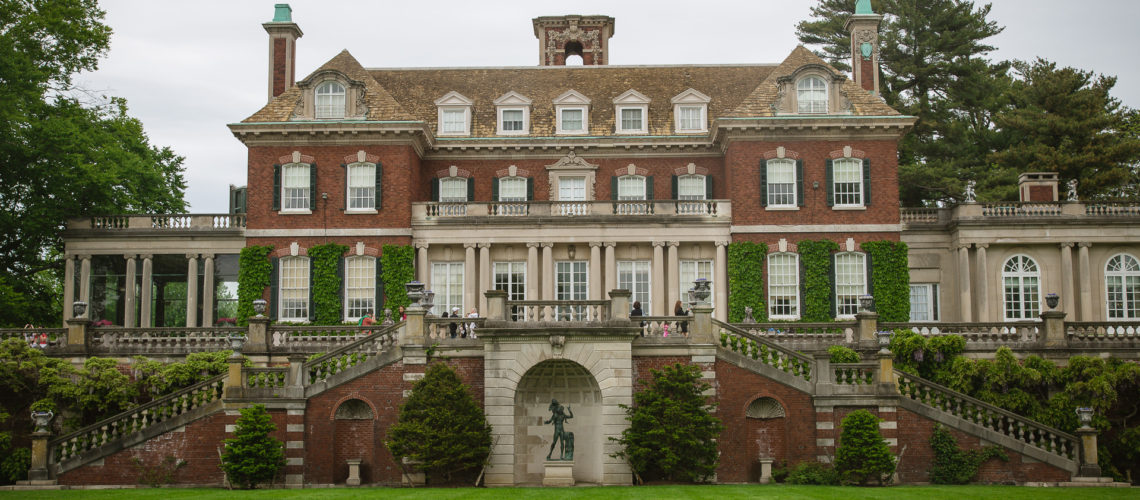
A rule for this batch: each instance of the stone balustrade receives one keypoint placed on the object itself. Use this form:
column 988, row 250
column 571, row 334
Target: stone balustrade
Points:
column 546, row 311
column 1060, row 210
column 431, row 212
column 161, row 222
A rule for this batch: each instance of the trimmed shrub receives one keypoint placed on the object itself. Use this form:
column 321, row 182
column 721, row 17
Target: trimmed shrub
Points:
column 863, row 456
column 812, row 473
column 253, row 456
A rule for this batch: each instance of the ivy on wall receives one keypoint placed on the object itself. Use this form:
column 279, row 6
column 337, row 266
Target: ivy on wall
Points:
column 815, row 256
column 254, row 271
column 398, row 263
column 746, row 261
column 327, row 304
column 890, row 279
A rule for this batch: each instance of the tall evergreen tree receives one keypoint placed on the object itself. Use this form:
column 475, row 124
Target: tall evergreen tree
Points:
column 253, row 456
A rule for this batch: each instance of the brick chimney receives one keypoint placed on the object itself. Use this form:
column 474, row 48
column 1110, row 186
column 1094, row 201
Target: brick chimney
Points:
column 864, row 29
column 563, row 36
column 1038, row 186
column 283, row 35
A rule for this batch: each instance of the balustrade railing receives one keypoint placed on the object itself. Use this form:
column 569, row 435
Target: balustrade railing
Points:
column 136, row 419
column 1113, row 209
column 837, row 332
column 264, row 378
column 36, row 337
column 697, row 207
column 664, row 326
column 307, row 337
column 764, row 351
column 381, row 339
column 987, row 416
column 559, row 310
column 439, row 329
column 191, row 339
column 171, row 222
column 1035, row 209
column 854, row 373
column 996, row 332
column 633, row 208
column 444, row 210
column 1118, row 332
column 921, row 215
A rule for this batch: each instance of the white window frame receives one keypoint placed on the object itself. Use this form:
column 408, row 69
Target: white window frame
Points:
column 572, row 289
column 524, row 121
column 808, row 92
column 689, row 270
column 695, row 124
column 447, row 283
column 631, row 100
column 296, row 202
column 1021, row 288
column 568, row 185
column 515, row 184
column 505, row 276
column 293, row 289
column 856, row 166
column 691, row 100
column 923, row 304
column 850, row 283
column 359, row 287
column 628, row 183
column 329, row 100
column 621, row 125
column 772, row 165
column 637, row 277
column 448, row 182
column 561, row 128
column 571, row 101
column 695, row 179
column 453, row 102
column 367, row 202
column 1122, row 271
column 781, row 282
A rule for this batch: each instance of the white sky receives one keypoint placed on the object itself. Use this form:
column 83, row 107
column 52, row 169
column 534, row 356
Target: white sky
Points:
column 189, row 68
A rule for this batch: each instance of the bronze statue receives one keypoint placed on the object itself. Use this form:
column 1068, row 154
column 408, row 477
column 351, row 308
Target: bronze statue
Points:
column 558, row 415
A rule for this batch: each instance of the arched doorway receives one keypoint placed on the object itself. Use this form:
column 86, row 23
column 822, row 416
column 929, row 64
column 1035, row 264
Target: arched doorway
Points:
column 574, row 387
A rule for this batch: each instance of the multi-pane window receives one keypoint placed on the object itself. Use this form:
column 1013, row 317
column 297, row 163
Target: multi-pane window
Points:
column 295, row 186
column 632, row 120
column 690, row 270
column 572, row 120
column 447, row 283
column 453, row 189
column 572, row 188
column 570, row 284
column 811, row 95
column 850, row 283
column 361, row 186
column 1020, row 283
column 510, row 277
column 454, row 121
column 294, row 289
column 359, row 287
column 691, row 187
column 783, row 286
column 512, row 120
column 924, row 302
column 330, row 100
column 631, row 187
column 633, row 275
column 1122, row 282
column 781, row 186
column 848, row 182
column 690, row 118
column 512, row 189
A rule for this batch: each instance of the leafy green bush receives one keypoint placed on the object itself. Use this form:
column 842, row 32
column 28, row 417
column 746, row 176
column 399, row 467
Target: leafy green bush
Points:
column 812, row 473
column 927, row 357
column 746, row 263
column 398, row 267
column 327, row 305
column 441, row 428
column 841, row 354
column 815, row 257
column 253, row 456
column 890, row 279
column 952, row 465
column 671, row 434
column 14, row 467
column 863, row 456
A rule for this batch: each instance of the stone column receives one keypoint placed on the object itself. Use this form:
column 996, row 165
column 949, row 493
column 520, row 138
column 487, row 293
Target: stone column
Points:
column 611, row 266
column 130, row 318
column 657, row 280
column 1068, row 301
column 964, row 282
column 208, row 292
column 533, row 281
column 1086, row 281
column 672, row 279
column 423, row 267
column 596, row 271
column 147, row 285
column 547, row 271
column 68, row 286
column 191, row 290
column 720, row 281
column 983, row 284
column 469, row 278
column 485, row 276
column 85, row 282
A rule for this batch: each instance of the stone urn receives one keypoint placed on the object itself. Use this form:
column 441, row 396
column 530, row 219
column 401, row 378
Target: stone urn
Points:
column 701, row 291
column 41, row 420
column 259, row 307
column 428, row 300
column 236, row 342
column 78, row 308
column 415, row 291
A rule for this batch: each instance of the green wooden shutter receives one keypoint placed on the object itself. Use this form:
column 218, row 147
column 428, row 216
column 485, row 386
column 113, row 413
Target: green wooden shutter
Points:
column 380, row 288
column 763, row 183
column 800, row 183
column 674, row 180
column 866, row 181
column 934, row 302
column 379, row 185
column 831, row 282
column 530, row 189
column 470, row 189
column 613, row 187
column 434, row 189
column 344, row 204
column 276, row 187
column 494, row 189
column 829, row 179
column 313, row 186
column 870, row 275
column 274, row 295
column 649, row 188
column 340, row 262
column 803, row 287
column 312, row 305
column 708, row 187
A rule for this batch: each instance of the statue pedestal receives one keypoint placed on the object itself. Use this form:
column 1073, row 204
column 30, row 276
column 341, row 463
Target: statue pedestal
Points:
column 766, row 470
column 353, row 472
column 558, row 473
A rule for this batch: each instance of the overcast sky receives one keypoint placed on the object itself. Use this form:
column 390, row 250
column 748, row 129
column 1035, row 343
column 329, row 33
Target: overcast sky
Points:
column 189, row 68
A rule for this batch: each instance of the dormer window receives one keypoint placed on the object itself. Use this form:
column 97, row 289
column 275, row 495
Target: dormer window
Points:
column 632, row 113
column 811, row 95
column 454, row 114
column 572, row 113
column 514, row 114
column 330, row 100
column 690, row 112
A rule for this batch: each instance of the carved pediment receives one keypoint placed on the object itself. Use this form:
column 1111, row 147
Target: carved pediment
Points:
column 572, row 162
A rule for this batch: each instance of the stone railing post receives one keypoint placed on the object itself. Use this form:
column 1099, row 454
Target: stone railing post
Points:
column 823, row 374
column 78, row 334
column 1053, row 329
column 886, row 380
column 296, row 381
column 412, row 332
column 232, row 387
column 257, row 341
column 619, row 303
column 702, row 331
column 1089, row 466
column 866, row 324
column 496, row 304
column 38, row 472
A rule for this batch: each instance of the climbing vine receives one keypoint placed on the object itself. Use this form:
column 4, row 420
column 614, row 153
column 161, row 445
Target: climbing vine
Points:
column 815, row 256
column 746, row 262
column 398, row 263
column 327, row 305
column 254, row 271
column 953, row 465
column 890, row 279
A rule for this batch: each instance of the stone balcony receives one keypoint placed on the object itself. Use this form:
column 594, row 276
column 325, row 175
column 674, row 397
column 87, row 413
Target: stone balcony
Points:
column 162, row 223
column 529, row 212
column 1021, row 212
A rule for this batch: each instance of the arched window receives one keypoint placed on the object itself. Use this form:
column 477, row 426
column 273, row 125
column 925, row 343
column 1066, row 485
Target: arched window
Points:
column 1021, row 286
column 631, row 187
column 1122, row 284
column 811, row 95
column 330, row 100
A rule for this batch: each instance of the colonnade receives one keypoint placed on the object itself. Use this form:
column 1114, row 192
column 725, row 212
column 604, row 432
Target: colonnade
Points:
column 130, row 320
column 974, row 287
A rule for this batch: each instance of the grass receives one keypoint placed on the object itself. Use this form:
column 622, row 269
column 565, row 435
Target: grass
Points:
column 720, row 492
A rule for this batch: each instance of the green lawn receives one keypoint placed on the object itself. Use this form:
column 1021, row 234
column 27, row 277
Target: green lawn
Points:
column 631, row 493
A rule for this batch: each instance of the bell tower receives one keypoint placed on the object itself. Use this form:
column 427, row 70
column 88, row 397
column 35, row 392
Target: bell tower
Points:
column 563, row 36
column 864, row 29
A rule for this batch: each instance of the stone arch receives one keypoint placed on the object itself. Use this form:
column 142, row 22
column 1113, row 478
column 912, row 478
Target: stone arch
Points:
column 354, row 421
column 573, row 387
column 766, row 430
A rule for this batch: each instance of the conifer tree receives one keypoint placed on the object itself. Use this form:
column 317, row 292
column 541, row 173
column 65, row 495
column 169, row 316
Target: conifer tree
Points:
column 863, row 456
column 253, row 456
